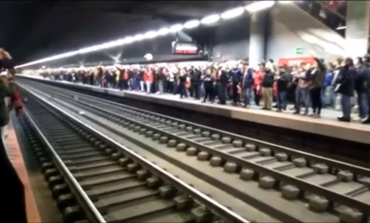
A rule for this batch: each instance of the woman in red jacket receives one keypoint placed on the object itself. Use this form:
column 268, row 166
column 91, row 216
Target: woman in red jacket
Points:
column 257, row 89
column 148, row 79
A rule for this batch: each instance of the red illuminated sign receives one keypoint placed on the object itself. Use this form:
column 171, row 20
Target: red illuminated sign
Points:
column 184, row 48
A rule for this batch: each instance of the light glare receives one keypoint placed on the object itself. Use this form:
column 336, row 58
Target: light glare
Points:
column 192, row 24
column 230, row 14
column 210, row 19
column 176, row 28
column 163, row 31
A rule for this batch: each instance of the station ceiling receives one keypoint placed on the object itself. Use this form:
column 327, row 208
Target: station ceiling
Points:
column 34, row 29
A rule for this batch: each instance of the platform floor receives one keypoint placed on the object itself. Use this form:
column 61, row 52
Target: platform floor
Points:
column 39, row 203
column 327, row 125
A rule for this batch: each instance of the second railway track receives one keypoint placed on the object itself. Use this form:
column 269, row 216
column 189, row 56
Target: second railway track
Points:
column 117, row 184
column 332, row 190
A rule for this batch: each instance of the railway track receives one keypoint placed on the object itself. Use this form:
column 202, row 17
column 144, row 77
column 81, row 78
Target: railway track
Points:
column 327, row 189
column 95, row 179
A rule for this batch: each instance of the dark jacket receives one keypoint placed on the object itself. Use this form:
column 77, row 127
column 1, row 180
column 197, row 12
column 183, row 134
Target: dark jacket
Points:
column 236, row 75
column 282, row 82
column 182, row 79
column 367, row 64
column 248, row 80
column 317, row 76
column 196, row 76
column 346, row 80
column 223, row 77
column 208, row 81
column 268, row 79
column 362, row 78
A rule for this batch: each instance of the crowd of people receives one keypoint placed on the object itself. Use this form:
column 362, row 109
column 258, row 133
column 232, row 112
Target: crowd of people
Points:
column 309, row 86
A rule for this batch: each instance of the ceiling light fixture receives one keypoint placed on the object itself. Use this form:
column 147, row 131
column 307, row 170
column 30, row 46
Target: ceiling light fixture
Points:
column 208, row 20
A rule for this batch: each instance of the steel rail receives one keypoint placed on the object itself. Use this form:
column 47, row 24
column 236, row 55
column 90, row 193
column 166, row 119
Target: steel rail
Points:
column 66, row 171
column 197, row 195
column 306, row 186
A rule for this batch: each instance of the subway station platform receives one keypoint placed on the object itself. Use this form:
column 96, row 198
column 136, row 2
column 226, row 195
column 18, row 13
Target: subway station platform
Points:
column 327, row 125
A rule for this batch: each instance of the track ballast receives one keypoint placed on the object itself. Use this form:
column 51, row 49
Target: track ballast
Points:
column 325, row 186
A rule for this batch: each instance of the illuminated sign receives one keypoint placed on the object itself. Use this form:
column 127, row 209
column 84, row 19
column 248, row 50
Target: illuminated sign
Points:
column 179, row 48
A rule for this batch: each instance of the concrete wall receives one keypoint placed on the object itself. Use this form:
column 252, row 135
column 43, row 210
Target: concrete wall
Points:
column 292, row 28
column 231, row 40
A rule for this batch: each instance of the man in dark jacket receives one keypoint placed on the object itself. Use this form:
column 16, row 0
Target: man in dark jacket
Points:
column 196, row 79
column 267, row 88
column 367, row 65
column 282, row 81
column 236, row 78
column 361, row 88
column 345, row 86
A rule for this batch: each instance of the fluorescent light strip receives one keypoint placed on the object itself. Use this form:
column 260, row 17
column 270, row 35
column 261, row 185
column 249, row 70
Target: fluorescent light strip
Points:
column 208, row 20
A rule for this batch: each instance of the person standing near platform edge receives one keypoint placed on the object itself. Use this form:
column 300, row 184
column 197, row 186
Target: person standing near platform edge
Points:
column 236, row 78
column 367, row 66
column 12, row 188
column 248, row 82
column 268, row 80
column 346, row 86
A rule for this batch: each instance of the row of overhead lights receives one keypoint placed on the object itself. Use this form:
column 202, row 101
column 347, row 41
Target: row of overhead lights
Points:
column 208, row 20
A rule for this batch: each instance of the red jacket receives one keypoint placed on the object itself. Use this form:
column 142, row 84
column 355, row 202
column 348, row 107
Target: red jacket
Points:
column 148, row 76
column 257, row 77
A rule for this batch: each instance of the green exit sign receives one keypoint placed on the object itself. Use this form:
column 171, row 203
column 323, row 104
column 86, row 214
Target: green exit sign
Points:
column 299, row 51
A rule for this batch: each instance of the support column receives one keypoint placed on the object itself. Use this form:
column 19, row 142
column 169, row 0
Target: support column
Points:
column 357, row 32
column 259, row 27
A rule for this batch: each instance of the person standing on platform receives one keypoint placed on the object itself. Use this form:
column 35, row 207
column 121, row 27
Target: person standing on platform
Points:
column 12, row 188
column 222, row 81
column 257, row 88
column 196, row 82
column 182, row 84
column 248, row 82
column 302, row 94
column 327, row 98
column 366, row 64
column 91, row 78
column 317, row 77
column 361, row 88
column 282, row 81
column 141, row 75
column 148, row 79
column 345, row 87
column 171, row 84
column 236, row 77
column 208, row 87
column 267, row 85
column 100, row 76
